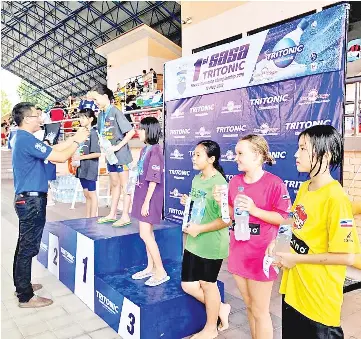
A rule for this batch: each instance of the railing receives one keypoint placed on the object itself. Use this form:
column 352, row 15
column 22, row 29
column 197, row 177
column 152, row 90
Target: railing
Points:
column 354, row 116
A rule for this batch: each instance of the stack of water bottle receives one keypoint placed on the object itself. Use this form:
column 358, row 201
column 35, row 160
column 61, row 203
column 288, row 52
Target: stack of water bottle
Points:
column 63, row 189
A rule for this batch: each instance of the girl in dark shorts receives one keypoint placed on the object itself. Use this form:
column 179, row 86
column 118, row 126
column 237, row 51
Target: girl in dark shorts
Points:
column 207, row 242
column 87, row 172
column 148, row 199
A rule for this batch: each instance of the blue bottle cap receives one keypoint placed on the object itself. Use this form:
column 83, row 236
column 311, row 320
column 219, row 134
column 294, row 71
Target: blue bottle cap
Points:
column 303, row 24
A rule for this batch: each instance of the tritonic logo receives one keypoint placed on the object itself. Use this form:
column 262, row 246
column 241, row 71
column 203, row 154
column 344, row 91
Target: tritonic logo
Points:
column 177, row 114
column 279, row 155
column 177, row 214
column 176, row 155
column 43, row 247
column 231, row 107
column 231, row 131
column 107, row 303
column 203, row 110
column 229, row 156
column 269, row 100
column 306, row 124
column 180, row 133
column 229, row 176
column 203, row 133
column 293, row 184
column 179, row 174
column 264, row 129
column 67, row 256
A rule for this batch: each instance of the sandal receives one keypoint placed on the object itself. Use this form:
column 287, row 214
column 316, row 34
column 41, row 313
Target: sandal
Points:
column 142, row 275
column 105, row 220
column 119, row 224
column 152, row 281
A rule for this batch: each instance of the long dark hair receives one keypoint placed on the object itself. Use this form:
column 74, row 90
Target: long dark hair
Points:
column 89, row 113
column 324, row 139
column 103, row 89
column 213, row 150
column 153, row 131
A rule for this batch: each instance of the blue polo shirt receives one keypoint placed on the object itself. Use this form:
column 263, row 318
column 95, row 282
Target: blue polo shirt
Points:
column 29, row 171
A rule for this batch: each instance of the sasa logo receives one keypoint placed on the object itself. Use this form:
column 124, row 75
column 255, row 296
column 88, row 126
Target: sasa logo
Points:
column 176, row 155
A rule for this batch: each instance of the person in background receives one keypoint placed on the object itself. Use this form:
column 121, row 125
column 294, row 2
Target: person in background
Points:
column 324, row 241
column 57, row 113
column 44, row 116
column 31, row 187
column 87, row 102
column 154, row 77
column 88, row 170
column 113, row 125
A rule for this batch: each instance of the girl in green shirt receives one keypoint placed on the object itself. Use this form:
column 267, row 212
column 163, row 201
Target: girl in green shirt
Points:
column 207, row 240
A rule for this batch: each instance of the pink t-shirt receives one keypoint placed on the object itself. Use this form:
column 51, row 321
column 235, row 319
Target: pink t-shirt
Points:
column 268, row 193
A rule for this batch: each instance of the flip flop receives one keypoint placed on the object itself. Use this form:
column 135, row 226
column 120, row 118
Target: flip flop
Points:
column 142, row 275
column 104, row 220
column 152, row 281
column 122, row 224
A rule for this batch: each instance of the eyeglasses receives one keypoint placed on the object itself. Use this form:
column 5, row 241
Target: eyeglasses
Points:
column 33, row 116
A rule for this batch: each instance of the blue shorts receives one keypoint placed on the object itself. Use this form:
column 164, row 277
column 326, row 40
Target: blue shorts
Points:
column 117, row 168
column 89, row 185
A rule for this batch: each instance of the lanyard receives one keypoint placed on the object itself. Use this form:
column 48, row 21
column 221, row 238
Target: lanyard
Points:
column 104, row 117
column 142, row 159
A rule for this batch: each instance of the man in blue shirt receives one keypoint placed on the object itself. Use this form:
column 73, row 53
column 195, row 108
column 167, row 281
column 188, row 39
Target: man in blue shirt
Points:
column 31, row 187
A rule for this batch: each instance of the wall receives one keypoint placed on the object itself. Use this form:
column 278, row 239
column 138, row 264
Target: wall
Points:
column 352, row 179
column 240, row 17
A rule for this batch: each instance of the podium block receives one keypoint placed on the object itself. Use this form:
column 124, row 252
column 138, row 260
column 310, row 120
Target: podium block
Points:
column 138, row 311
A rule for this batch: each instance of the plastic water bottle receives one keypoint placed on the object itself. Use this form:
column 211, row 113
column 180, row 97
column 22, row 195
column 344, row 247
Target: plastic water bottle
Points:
column 241, row 217
column 283, row 239
column 106, row 145
column 199, row 206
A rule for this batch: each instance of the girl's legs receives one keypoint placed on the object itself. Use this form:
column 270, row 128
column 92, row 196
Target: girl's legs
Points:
column 87, row 203
column 195, row 289
column 115, row 192
column 147, row 235
column 257, row 295
column 93, row 202
column 243, row 288
column 123, row 179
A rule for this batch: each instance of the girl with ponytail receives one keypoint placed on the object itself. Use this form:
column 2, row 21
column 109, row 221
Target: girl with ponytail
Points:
column 207, row 240
column 268, row 203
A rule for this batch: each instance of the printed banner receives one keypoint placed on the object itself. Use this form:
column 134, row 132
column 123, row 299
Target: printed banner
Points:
column 307, row 46
column 278, row 111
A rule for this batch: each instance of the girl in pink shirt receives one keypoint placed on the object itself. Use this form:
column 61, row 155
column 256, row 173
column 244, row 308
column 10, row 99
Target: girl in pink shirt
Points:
column 267, row 201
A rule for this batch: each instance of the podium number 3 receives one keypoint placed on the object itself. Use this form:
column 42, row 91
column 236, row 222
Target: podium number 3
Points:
column 55, row 256
column 130, row 327
column 85, row 262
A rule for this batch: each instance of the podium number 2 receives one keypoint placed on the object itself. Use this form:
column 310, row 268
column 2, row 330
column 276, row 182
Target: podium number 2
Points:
column 55, row 256
column 130, row 327
column 85, row 262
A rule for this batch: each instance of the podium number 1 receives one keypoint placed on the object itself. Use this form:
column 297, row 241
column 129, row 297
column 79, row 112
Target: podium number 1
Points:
column 85, row 262
column 56, row 256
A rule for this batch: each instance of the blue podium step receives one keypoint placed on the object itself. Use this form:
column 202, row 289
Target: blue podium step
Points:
column 138, row 311
column 77, row 250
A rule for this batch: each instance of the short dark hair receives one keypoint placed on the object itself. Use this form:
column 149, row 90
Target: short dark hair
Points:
column 153, row 131
column 39, row 109
column 103, row 89
column 89, row 113
column 144, row 71
column 57, row 103
column 151, row 69
column 20, row 111
column 325, row 139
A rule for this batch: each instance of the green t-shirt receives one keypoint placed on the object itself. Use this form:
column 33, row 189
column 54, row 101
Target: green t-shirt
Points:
column 214, row 244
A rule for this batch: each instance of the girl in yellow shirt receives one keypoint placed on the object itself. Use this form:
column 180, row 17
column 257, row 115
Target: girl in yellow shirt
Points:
column 324, row 242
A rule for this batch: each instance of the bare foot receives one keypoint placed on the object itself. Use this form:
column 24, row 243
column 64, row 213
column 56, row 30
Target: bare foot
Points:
column 206, row 334
column 224, row 312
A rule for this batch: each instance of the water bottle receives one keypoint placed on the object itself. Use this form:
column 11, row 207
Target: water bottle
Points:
column 107, row 147
column 198, row 208
column 241, row 217
column 283, row 239
column 76, row 163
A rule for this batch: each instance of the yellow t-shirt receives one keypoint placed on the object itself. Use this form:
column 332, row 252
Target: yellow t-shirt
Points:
column 323, row 222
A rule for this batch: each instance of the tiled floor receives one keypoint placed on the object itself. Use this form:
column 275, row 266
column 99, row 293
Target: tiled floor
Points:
column 68, row 317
